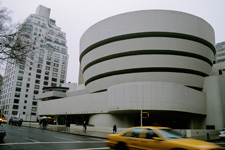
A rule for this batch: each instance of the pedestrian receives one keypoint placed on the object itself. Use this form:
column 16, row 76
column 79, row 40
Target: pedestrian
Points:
column 68, row 125
column 84, row 126
column 114, row 129
column 45, row 123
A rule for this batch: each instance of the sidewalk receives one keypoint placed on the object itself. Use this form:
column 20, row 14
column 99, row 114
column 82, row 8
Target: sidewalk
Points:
column 100, row 132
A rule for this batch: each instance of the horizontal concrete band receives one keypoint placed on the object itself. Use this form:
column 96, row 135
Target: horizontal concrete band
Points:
column 148, row 43
column 148, row 34
column 147, row 52
column 138, row 70
column 189, row 80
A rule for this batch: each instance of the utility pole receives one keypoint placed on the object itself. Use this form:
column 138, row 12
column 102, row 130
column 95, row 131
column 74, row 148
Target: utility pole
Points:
column 141, row 118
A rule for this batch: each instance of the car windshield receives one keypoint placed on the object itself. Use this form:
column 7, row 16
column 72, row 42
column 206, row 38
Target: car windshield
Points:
column 170, row 134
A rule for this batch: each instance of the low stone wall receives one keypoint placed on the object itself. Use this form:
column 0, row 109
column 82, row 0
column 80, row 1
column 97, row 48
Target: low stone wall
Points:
column 203, row 134
column 102, row 132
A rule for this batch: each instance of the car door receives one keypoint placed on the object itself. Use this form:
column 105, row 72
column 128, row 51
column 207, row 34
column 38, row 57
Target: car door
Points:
column 148, row 143
column 131, row 138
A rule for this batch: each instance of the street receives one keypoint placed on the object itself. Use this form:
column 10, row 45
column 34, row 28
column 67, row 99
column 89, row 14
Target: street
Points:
column 24, row 138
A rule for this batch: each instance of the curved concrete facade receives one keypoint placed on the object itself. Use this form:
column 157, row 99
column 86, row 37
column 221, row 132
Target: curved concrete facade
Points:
column 147, row 46
column 152, row 96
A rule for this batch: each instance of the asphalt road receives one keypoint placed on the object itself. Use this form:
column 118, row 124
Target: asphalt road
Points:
column 25, row 138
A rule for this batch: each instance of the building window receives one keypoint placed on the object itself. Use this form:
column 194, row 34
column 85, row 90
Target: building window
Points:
column 38, row 71
column 55, row 69
column 36, row 87
column 56, row 65
column 56, row 60
column 24, row 107
column 39, row 66
column 63, row 67
column 15, row 106
column 46, row 72
column 38, row 76
column 18, row 89
column 25, row 101
column 34, row 109
column 61, row 81
column 14, row 112
column 41, row 56
column 54, row 79
column 64, row 58
column 17, row 94
column 57, row 55
column 16, row 101
column 20, row 78
column 18, row 83
column 37, row 81
column 45, row 83
column 46, row 78
column 63, row 71
column 34, row 103
column 35, row 92
column 62, row 76
column 48, row 63
column 54, row 74
column 49, row 58
column 28, row 85
column 47, row 68
column 40, row 61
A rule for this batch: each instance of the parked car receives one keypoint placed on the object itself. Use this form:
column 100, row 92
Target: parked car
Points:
column 15, row 121
column 160, row 138
column 2, row 133
column 222, row 134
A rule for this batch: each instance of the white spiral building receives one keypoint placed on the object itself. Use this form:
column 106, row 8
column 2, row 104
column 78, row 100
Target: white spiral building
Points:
column 158, row 61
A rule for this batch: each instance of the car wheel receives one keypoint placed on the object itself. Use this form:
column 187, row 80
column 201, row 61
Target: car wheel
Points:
column 121, row 146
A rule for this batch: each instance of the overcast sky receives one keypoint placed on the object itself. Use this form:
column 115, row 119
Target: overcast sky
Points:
column 76, row 16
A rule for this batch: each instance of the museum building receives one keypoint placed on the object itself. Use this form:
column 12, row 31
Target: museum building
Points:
column 156, row 61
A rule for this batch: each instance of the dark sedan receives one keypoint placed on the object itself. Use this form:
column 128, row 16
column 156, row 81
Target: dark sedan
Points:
column 2, row 133
column 15, row 121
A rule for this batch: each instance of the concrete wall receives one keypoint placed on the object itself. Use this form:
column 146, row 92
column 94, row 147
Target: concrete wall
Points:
column 107, row 120
column 83, row 104
column 214, row 86
column 156, row 96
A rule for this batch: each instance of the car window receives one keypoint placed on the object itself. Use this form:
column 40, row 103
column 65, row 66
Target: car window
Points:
column 150, row 133
column 170, row 134
column 133, row 133
column 128, row 133
column 136, row 132
column 223, row 130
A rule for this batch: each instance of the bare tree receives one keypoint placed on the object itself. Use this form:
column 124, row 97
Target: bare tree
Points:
column 14, row 48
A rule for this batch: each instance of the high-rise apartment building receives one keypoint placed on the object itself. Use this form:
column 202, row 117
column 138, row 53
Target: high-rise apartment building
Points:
column 46, row 66
column 220, row 52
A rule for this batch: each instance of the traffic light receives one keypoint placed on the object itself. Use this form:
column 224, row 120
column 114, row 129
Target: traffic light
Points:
column 145, row 114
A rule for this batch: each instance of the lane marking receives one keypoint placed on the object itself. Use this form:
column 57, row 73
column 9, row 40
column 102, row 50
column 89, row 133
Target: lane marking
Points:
column 63, row 142
column 29, row 139
column 63, row 138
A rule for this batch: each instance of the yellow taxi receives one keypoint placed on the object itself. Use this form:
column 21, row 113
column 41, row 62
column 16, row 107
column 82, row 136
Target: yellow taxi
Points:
column 2, row 120
column 155, row 138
